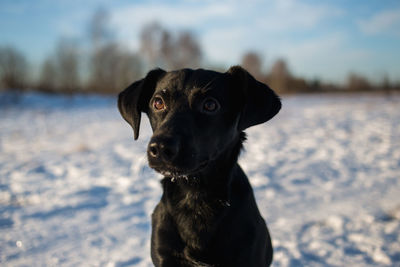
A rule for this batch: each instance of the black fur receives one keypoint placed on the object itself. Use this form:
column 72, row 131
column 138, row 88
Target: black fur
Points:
column 207, row 215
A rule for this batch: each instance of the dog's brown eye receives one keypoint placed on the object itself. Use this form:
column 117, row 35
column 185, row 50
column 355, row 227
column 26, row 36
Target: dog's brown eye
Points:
column 210, row 105
column 158, row 103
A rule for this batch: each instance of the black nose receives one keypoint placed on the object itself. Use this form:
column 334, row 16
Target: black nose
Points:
column 165, row 148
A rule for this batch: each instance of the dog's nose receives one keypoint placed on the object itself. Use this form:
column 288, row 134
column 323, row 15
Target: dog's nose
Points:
column 163, row 148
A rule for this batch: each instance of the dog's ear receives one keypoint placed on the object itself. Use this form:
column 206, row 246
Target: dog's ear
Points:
column 134, row 99
column 260, row 102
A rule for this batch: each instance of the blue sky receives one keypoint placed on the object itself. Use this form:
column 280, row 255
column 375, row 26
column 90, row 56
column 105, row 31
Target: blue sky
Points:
column 319, row 39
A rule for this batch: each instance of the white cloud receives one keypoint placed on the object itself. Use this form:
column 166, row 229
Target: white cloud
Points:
column 187, row 15
column 224, row 46
column 384, row 22
column 223, row 18
column 129, row 20
column 293, row 15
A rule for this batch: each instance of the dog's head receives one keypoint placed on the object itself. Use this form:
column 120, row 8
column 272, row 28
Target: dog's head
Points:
column 196, row 115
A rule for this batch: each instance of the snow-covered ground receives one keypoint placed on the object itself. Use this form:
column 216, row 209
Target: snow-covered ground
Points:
column 75, row 189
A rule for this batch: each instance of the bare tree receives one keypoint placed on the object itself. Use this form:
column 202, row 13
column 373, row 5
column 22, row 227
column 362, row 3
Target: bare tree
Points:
column 112, row 69
column 357, row 82
column 385, row 84
column 162, row 48
column 13, row 68
column 279, row 76
column 48, row 76
column 280, row 69
column 187, row 53
column 99, row 30
column 129, row 69
column 102, row 66
column 252, row 62
column 154, row 41
column 167, row 49
column 60, row 71
column 68, row 64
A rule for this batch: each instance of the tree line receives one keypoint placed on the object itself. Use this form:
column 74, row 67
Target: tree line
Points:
column 280, row 78
column 106, row 66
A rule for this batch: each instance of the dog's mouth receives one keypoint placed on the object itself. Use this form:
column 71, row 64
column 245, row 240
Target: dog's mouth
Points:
column 177, row 173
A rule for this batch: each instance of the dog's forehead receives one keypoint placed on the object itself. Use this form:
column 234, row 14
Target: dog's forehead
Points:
column 186, row 80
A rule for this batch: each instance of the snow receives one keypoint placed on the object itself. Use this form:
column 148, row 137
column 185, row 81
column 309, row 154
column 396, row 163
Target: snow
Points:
column 75, row 188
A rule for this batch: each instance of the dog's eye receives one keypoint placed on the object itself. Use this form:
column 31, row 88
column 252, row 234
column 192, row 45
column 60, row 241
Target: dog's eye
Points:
column 158, row 103
column 210, row 105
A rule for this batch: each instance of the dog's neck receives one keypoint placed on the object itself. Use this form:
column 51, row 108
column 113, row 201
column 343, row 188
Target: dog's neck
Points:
column 197, row 203
column 213, row 183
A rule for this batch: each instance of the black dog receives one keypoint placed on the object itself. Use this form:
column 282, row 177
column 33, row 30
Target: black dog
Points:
column 207, row 215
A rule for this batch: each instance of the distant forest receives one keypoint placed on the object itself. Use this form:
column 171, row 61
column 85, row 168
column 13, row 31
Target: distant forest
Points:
column 106, row 66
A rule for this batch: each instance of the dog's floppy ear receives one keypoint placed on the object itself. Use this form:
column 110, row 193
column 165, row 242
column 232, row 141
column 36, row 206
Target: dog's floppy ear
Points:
column 134, row 99
column 260, row 102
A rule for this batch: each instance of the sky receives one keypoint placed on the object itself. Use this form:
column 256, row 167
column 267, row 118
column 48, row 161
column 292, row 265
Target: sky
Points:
column 318, row 39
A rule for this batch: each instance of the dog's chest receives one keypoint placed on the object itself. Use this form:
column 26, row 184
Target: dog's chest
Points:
column 196, row 217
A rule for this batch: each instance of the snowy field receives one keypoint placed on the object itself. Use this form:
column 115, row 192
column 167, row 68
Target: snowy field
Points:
column 75, row 189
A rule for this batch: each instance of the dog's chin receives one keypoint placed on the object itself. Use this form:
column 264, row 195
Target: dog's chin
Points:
column 175, row 172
